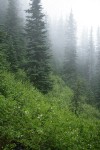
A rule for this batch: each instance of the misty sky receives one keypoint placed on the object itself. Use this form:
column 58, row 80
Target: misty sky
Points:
column 86, row 12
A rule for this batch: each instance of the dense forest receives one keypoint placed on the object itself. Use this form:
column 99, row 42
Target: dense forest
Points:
column 49, row 94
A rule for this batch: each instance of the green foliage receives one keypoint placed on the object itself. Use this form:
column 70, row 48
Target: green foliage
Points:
column 3, row 7
column 38, row 57
column 70, row 67
column 3, row 49
column 15, row 38
column 97, row 76
column 77, row 99
column 90, row 112
column 29, row 119
column 60, row 94
column 21, row 75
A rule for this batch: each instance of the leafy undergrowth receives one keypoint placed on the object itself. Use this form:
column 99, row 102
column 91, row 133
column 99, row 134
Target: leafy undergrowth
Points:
column 32, row 121
column 61, row 94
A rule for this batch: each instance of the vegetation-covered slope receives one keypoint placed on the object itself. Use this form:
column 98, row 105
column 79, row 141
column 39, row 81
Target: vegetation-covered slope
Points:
column 40, row 111
column 29, row 120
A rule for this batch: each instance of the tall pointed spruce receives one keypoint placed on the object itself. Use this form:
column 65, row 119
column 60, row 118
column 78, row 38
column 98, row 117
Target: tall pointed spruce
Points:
column 97, row 81
column 15, row 39
column 83, row 55
column 38, row 67
column 3, row 7
column 69, row 69
column 3, row 49
column 91, row 59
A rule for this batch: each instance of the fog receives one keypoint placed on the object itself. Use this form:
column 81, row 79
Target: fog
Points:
column 49, row 74
column 72, row 37
column 86, row 15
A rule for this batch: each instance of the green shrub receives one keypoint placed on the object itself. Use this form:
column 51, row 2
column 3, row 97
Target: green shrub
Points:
column 29, row 119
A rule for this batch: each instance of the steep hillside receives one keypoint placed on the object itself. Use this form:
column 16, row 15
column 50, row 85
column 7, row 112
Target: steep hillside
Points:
column 29, row 120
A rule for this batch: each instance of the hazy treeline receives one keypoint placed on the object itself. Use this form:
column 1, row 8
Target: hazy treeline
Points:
column 49, row 81
column 72, row 56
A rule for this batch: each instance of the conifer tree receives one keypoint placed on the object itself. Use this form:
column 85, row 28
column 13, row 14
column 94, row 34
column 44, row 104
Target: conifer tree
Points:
column 91, row 68
column 3, row 7
column 83, row 55
column 38, row 67
column 15, row 38
column 76, row 101
column 91, row 58
column 97, row 80
column 69, row 69
column 3, row 49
